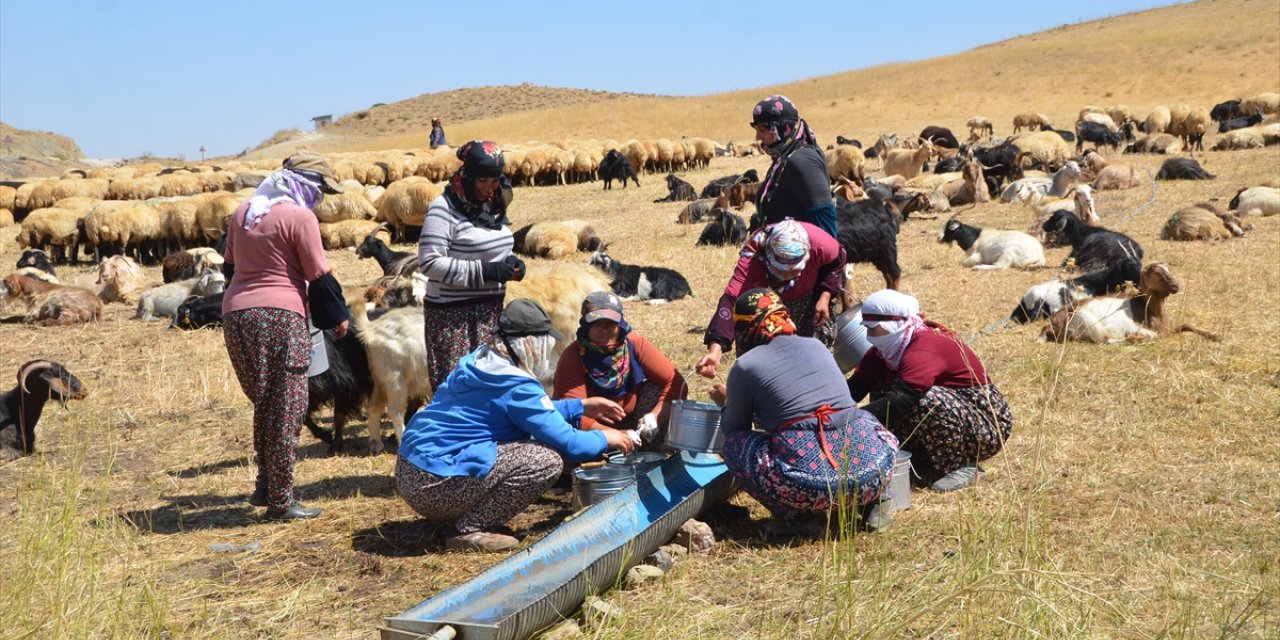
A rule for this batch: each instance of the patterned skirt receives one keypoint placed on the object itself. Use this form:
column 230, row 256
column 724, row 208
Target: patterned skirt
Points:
column 953, row 428
column 454, row 331
column 788, row 473
column 802, row 314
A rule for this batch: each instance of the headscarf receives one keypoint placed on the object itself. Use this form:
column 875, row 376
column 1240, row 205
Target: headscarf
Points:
column 758, row 318
column 785, row 250
column 534, row 354
column 611, row 369
column 283, row 185
column 899, row 314
column 790, row 133
column 480, row 159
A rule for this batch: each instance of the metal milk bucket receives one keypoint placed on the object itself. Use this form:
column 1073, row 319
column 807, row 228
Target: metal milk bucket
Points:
column 851, row 339
column 695, row 427
column 319, row 355
column 900, row 483
column 593, row 485
column 639, row 462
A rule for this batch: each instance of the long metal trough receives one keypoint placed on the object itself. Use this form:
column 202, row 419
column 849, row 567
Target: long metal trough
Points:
column 547, row 582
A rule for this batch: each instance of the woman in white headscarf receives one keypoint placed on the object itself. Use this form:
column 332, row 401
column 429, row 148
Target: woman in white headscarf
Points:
column 492, row 441
column 930, row 390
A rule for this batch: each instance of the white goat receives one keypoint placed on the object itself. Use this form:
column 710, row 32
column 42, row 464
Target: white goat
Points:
column 993, row 248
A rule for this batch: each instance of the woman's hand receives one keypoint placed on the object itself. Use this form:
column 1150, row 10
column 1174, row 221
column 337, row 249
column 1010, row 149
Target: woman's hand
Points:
column 340, row 331
column 603, row 410
column 719, row 393
column 822, row 310
column 620, row 440
column 710, row 363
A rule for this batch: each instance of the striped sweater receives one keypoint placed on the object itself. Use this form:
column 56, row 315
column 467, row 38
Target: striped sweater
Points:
column 450, row 252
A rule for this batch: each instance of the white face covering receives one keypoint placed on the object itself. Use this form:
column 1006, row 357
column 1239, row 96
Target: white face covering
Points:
column 897, row 313
column 536, row 355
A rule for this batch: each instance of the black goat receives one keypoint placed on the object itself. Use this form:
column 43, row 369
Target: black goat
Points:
column 393, row 263
column 679, row 190
column 850, row 141
column 940, row 137
column 36, row 259
column 726, row 228
column 720, row 185
column 1240, row 123
column 868, row 231
column 1043, row 300
column 1224, row 111
column 346, row 385
column 198, row 313
column 1092, row 248
column 616, row 166
column 1062, row 133
column 645, row 283
column 1182, row 169
column 946, row 165
column 1098, row 134
column 39, row 381
column 999, row 164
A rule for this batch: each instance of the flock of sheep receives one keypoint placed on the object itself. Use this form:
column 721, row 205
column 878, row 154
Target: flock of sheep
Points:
column 147, row 214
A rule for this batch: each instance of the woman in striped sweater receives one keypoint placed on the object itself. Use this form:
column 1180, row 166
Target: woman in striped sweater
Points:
column 465, row 252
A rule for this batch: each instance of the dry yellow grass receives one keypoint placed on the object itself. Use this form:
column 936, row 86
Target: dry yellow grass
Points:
column 1137, row 498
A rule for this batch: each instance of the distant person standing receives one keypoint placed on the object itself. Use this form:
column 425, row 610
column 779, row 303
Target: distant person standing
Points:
column 798, row 184
column 437, row 134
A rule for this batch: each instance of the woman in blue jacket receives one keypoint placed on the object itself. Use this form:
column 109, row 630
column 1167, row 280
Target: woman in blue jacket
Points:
column 492, row 441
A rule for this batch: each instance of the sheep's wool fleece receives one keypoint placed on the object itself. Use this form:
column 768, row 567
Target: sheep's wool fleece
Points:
column 899, row 314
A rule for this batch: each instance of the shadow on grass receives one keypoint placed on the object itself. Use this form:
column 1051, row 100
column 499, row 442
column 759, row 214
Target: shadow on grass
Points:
column 402, row 538
column 211, row 511
column 355, row 447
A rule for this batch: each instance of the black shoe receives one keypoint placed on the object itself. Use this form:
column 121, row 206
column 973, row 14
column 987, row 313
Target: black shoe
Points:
column 295, row 512
column 258, row 498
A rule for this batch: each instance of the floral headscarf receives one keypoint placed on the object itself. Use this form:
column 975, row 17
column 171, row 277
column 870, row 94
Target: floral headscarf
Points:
column 480, row 159
column 758, row 318
column 611, row 368
column 784, row 248
column 284, row 185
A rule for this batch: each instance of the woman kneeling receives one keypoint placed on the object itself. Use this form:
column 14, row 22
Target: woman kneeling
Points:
column 491, row 440
column 817, row 450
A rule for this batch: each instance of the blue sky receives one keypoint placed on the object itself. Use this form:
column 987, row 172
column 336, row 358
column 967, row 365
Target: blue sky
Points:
column 127, row 77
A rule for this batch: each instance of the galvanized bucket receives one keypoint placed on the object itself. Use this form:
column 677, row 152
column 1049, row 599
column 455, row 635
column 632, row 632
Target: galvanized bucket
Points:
column 639, row 462
column 695, row 427
column 593, row 485
column 900, row 483
column 851, row 339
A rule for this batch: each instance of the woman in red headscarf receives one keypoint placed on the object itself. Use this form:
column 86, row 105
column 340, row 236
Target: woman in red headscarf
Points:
column 814, row 449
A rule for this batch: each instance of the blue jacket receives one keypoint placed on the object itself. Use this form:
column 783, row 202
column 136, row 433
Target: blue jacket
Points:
column 485, row 401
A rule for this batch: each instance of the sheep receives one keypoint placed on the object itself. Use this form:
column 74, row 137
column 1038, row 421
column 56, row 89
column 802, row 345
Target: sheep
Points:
column 1247, row 138
column 124, row 228
column 679, row 190
column 393, row 263
column 213, row 212
column 119, row 278
column 6, row 218
column 1191, row 127
column 556, row 239
column 907, row 162
column 50, row 304
column 654, row 285
column 351, row 204
column 695, row 211
column 1043, row 300
column 53, row 229
column 1264, row 102
column 1045, row 146
column 722, row 184
column 39, row 381
column 1099, row 118
column 405, row 205
column 868, row 231
column 1031, row 121
column 1116, row 319
column 198, row 313
column 845, row 161
column 1203, row 221
column 726, row 229
column 980, row 126
column 1256, row 201
column 1157, row 121
column 178, row 223
column 1182, row 169
column 348, row 234
column 1163, row 143
column 165, row 299
column 1092, row 248
column 993, row 248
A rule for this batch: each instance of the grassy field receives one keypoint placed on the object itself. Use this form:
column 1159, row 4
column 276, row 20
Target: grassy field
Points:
column 1137, row 498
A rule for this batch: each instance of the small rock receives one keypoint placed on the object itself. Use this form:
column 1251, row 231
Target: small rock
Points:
column 563, row 631
column 675, row 550
column 641, row 574
column 661, row 559
column 695, row 536
column 596, row 611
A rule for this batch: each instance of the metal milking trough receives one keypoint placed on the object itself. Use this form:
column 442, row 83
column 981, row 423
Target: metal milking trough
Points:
column 547, row 582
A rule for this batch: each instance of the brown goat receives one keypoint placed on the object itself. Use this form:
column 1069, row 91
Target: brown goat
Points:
column 742, row 193
column 1115, row 319
column 50, row 304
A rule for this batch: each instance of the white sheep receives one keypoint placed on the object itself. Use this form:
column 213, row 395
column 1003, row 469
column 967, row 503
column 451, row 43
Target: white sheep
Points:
column 993, row 248
column 556, row 239
column 1157, row 121
column 405, row 204
column 1046, row 146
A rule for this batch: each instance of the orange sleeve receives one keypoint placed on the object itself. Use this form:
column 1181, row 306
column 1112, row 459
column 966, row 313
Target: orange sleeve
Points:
column 571, row 382
column 659, row 369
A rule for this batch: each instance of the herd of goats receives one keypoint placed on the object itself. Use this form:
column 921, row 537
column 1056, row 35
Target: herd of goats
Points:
column 137, row 215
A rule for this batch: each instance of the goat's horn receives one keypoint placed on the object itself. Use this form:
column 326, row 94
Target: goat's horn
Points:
column 30, row 368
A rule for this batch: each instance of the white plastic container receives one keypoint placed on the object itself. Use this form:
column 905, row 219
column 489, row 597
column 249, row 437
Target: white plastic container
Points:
column 900, row 483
